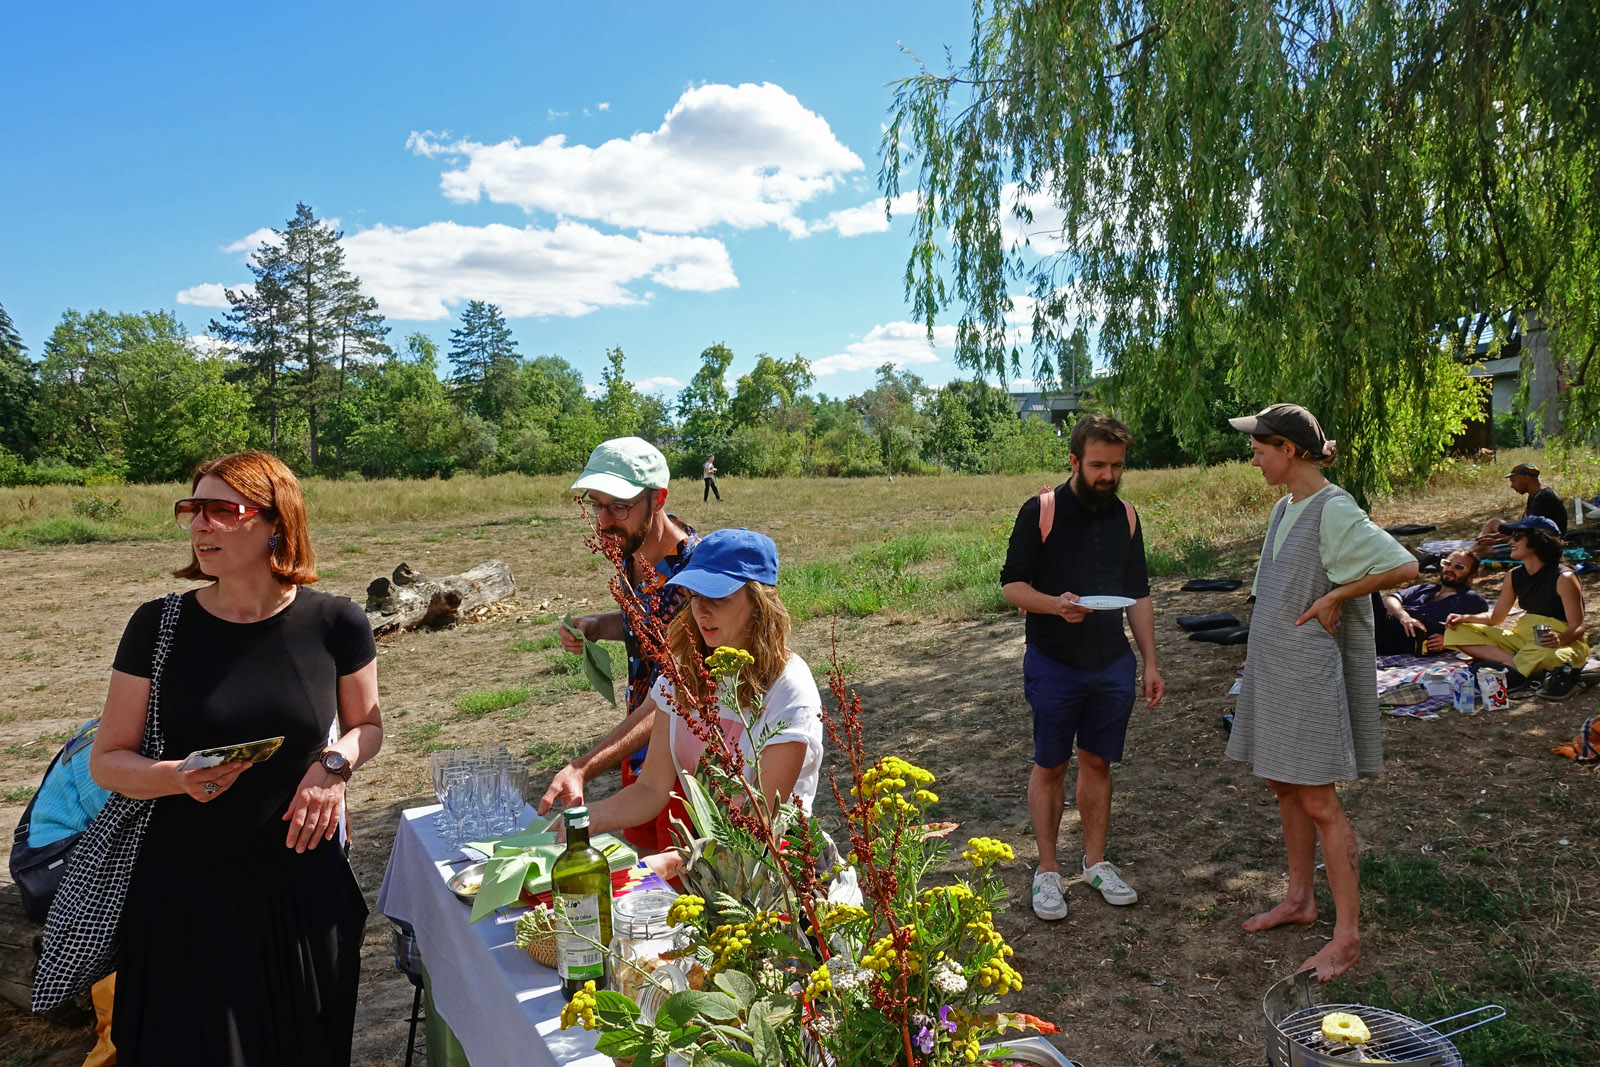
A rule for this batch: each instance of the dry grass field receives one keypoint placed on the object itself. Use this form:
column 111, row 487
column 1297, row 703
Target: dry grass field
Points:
column 1482, row 867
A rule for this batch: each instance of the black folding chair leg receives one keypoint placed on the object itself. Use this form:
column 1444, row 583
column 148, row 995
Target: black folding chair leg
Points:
column 416, row 1011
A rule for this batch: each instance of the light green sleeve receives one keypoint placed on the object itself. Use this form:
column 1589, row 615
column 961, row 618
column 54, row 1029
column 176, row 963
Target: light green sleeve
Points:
column 1353, row 546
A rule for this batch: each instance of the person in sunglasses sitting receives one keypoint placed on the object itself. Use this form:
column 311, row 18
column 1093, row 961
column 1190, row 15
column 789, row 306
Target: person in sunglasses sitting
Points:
column 1417, row 613
column 240, row 940
column 1544, row 651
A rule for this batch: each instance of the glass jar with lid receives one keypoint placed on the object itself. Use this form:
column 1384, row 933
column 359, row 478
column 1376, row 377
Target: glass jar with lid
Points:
column 640, row 936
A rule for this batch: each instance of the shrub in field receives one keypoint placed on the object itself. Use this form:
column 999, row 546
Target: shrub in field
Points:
column 97, row 507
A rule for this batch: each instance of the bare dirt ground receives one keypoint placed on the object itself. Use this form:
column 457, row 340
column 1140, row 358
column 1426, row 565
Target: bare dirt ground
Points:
column 1463, row 803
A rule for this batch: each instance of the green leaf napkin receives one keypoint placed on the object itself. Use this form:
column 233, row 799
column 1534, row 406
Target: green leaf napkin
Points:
column 501, row 846
column 502, row 882
column 596, row 662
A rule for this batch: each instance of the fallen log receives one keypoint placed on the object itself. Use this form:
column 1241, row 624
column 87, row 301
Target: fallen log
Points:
column 21, row 941
column 410, row 601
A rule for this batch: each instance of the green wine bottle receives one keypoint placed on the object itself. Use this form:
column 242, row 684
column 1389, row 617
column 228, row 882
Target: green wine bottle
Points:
column 581, row 884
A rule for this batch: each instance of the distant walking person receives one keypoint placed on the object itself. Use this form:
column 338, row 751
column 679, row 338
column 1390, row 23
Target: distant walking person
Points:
column 708, row 471
column 1078, row 675
column 1307, row 716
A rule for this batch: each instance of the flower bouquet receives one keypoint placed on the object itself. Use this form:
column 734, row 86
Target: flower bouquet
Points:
column 792, row 954
column 791, row 961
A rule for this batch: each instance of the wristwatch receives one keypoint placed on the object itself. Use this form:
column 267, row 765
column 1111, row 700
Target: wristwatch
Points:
column 335, row 762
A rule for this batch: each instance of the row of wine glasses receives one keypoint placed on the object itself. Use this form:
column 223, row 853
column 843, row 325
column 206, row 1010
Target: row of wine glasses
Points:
column 481, row 792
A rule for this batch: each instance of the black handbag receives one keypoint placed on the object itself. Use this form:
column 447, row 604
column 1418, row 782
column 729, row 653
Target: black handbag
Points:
column 80, row 934
column 38, row 871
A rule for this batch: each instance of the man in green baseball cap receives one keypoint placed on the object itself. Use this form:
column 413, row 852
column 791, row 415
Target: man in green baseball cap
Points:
column 623, row 488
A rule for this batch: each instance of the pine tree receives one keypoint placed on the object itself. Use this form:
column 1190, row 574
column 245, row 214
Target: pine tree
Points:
column 296, row 329
column 18, row 383
column 484, row 356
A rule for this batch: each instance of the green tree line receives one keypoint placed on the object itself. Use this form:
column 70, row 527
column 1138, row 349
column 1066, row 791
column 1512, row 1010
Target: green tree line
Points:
column 302, row 365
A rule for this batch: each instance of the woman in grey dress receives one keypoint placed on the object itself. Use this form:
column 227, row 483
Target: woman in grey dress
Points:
column 1307, row 716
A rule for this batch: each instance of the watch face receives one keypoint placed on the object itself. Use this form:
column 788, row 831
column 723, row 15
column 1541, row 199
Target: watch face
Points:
column 336, row 762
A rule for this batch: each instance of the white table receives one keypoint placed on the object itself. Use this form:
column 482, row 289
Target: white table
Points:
column 504, row 1008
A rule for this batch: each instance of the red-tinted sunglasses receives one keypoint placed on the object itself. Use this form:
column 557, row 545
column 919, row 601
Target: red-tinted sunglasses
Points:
column 223, row 514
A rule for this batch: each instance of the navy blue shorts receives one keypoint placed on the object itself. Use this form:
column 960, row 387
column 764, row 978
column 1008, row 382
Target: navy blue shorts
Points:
column 1075, row 708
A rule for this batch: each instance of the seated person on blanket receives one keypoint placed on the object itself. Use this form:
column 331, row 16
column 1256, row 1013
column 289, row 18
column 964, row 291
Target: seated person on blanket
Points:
column 733, row 601
column 1421, row 609
column 1549, row 595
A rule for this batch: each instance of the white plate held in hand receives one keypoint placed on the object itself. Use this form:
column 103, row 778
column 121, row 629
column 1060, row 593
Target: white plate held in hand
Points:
column 1105, row 603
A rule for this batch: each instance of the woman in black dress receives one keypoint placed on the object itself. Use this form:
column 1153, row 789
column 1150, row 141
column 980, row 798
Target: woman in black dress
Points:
column 240, row 937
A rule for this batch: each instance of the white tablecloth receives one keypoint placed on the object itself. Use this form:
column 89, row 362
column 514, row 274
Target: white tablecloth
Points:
column 503, row 1007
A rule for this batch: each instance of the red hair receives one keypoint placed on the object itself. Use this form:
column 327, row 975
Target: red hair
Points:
column 263, row 480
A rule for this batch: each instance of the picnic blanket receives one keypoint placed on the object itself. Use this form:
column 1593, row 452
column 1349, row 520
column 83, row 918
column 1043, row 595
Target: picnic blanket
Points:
column 1444, row 548
column 1431, row 672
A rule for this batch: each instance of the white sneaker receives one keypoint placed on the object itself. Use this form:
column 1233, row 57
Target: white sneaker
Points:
column 1048, row 903
column 1106, row 878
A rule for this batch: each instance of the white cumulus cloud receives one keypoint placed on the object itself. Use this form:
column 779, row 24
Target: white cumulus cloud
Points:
column 904, row 344
column 205, row 295
column 568, row 270
column 1044, row 234
column 660, row 384
column 744, row 156
column 252, row 241
column 865, row 218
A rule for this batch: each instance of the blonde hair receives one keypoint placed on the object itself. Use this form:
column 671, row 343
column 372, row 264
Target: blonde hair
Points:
column 767, row 639
column 1273, row 440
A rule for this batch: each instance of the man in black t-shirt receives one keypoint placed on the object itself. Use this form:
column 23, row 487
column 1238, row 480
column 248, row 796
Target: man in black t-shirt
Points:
column 1080, row 541
column 1542, row 500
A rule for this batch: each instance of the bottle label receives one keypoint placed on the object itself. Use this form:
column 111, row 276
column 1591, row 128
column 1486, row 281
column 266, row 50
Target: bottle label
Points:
column 579, row 918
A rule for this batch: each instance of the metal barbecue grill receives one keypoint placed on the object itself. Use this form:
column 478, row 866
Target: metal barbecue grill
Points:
column 1294, row 1031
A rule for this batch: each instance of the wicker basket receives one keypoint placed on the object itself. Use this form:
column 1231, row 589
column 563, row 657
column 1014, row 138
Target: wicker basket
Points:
column 543, row 950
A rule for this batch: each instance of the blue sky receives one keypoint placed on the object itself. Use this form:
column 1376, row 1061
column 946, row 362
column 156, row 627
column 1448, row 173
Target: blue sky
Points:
column 715, row 177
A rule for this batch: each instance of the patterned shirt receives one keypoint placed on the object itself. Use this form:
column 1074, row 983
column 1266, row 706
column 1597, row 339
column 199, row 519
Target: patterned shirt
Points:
column 663, row 605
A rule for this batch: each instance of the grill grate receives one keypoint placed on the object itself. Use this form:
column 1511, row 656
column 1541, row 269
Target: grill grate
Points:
column 1395, row 1037
column 1294, row 1030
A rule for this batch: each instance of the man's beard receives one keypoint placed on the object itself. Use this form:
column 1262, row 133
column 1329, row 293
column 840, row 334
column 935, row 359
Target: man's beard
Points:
column 632, row 540
column 1098, row 497
column 1460, row 582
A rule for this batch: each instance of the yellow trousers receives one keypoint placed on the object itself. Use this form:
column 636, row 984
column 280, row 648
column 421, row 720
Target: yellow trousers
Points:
column 104, row 1053
column 1528, row 656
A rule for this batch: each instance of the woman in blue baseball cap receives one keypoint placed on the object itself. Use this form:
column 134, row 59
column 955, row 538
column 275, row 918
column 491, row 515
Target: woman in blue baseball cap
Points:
column 1545, row 650
column 733, row 602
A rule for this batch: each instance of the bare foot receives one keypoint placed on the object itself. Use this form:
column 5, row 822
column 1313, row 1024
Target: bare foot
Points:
column 1335, row 958
column 1282, row 915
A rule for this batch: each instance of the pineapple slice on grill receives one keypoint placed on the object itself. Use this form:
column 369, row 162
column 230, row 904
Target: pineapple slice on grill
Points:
column 1346, row 1028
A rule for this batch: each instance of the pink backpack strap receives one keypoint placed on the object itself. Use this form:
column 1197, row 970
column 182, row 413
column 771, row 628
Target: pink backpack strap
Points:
column 1047, row 514
column 1047, row 518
